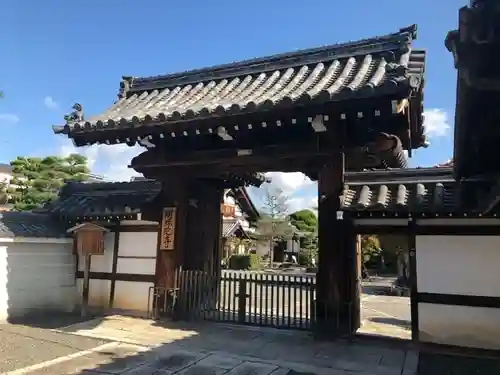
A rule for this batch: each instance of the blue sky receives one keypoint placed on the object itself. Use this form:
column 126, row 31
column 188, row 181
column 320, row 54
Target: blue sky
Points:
column 55, row 53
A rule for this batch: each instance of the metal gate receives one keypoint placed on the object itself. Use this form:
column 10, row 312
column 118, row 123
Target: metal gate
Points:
column 246, row 297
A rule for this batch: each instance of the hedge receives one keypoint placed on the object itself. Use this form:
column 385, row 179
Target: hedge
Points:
column 244, row 262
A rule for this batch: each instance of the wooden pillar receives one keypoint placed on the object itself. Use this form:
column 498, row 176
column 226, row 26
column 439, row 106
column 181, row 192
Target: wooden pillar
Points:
column 412, row 253
column 336, row 291
column 203, row 227
column 171, row 261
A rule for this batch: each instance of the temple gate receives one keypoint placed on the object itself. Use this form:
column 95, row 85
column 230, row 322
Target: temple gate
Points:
column 320, row 111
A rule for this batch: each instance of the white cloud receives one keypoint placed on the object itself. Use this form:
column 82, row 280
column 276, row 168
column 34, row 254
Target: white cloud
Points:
column 8, row 118
column 50, row 103
column 436, row 123
column 296, row 186
column 288, row 183
column 109, row 161
column 303, row 202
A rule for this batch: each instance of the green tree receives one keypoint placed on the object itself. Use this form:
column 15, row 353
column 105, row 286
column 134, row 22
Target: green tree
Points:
column 370, row 248
column 274, row 225
column 4, row 196
column 38, row 180
column 306, row 222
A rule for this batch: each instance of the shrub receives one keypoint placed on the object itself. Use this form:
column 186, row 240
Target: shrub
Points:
column 306, row 257
column 244, row 262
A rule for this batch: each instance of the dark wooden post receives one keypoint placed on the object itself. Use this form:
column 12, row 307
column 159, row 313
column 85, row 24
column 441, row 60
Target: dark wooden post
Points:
column 334, row 297
column 89, row 239
column 170, row 259
column 86, row 284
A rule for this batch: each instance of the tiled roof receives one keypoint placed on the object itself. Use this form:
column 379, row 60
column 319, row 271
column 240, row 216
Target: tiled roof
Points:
column 103, row 199
column 229, row 227
column 419, row 191
column 29, row 224
column 377, row 66
column 245, row 202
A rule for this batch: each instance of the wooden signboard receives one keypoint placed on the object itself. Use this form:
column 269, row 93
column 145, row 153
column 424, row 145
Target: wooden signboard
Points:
column 89, row 238
column 168, row 229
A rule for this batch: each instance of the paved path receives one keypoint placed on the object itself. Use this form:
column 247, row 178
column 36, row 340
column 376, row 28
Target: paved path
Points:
column 147, row 347
column 387, row 316
column 22, row 346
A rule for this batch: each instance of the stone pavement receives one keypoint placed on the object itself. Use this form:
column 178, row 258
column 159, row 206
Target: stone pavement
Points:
column 147, row 347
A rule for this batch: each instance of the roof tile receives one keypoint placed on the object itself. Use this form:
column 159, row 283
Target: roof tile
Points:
column 103, row 199
column 30, row 224
column 366, row 68
column 426, row 190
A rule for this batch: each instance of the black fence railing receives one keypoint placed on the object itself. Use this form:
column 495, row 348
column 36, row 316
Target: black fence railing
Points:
column 255, row 298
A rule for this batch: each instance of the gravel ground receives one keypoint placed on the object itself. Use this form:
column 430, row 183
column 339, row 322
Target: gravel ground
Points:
column 24, row 345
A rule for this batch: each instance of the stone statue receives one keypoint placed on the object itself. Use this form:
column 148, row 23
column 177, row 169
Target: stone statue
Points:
column 76, row 115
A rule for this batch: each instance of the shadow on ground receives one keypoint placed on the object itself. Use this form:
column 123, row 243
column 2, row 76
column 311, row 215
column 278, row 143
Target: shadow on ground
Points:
column 165, row 347
column 442, row 364
column 52, row 320
column 392, row 321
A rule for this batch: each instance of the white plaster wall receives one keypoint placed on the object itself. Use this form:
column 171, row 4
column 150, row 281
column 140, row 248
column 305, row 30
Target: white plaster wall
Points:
column 128, row 295
column 4, row 295
column 459, row 265
column 463, row 265
column 136, row 255
column 132, row 296
column 473, row 327
column 98, row 293
column 36, row 277
column 138, row 244
column 136, row 266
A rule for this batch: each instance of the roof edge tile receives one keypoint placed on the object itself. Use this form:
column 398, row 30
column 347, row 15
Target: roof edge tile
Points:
column 379, row 44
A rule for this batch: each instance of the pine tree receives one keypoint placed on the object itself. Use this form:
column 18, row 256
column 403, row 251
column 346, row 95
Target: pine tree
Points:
column 38, row 180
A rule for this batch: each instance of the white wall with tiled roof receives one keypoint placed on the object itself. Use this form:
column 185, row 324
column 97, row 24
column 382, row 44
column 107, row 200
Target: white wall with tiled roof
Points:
column 136, row 256
column 38, row 277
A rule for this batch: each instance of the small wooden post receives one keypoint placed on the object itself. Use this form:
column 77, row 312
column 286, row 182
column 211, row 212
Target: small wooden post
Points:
column 86, row 284
column 89, row 240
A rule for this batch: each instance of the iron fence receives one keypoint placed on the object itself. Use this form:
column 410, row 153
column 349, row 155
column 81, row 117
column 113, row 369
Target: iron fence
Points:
column 254, row 298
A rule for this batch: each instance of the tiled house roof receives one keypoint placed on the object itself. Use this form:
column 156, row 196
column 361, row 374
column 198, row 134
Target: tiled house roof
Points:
column 421, row 191
column 30, row 224
column 119, row 200
column 371, row 67
column 231, row 227
column 85, row 201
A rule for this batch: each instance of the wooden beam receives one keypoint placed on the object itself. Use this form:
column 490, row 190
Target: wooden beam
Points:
column 228, row 157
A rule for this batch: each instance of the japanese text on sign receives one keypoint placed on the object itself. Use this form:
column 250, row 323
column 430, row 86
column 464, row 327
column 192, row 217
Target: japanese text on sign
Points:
column 168, row 229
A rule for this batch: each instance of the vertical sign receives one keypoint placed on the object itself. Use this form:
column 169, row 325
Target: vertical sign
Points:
column 168, row 229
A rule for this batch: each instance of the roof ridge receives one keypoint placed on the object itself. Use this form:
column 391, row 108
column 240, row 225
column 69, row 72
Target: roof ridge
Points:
column 86, row 187
column 384, row 43
column 394, row 176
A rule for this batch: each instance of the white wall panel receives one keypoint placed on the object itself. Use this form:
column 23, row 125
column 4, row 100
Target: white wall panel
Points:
column 138, row 244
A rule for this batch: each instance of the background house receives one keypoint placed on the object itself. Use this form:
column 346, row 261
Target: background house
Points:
column 239, row 216
column 5, row 173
